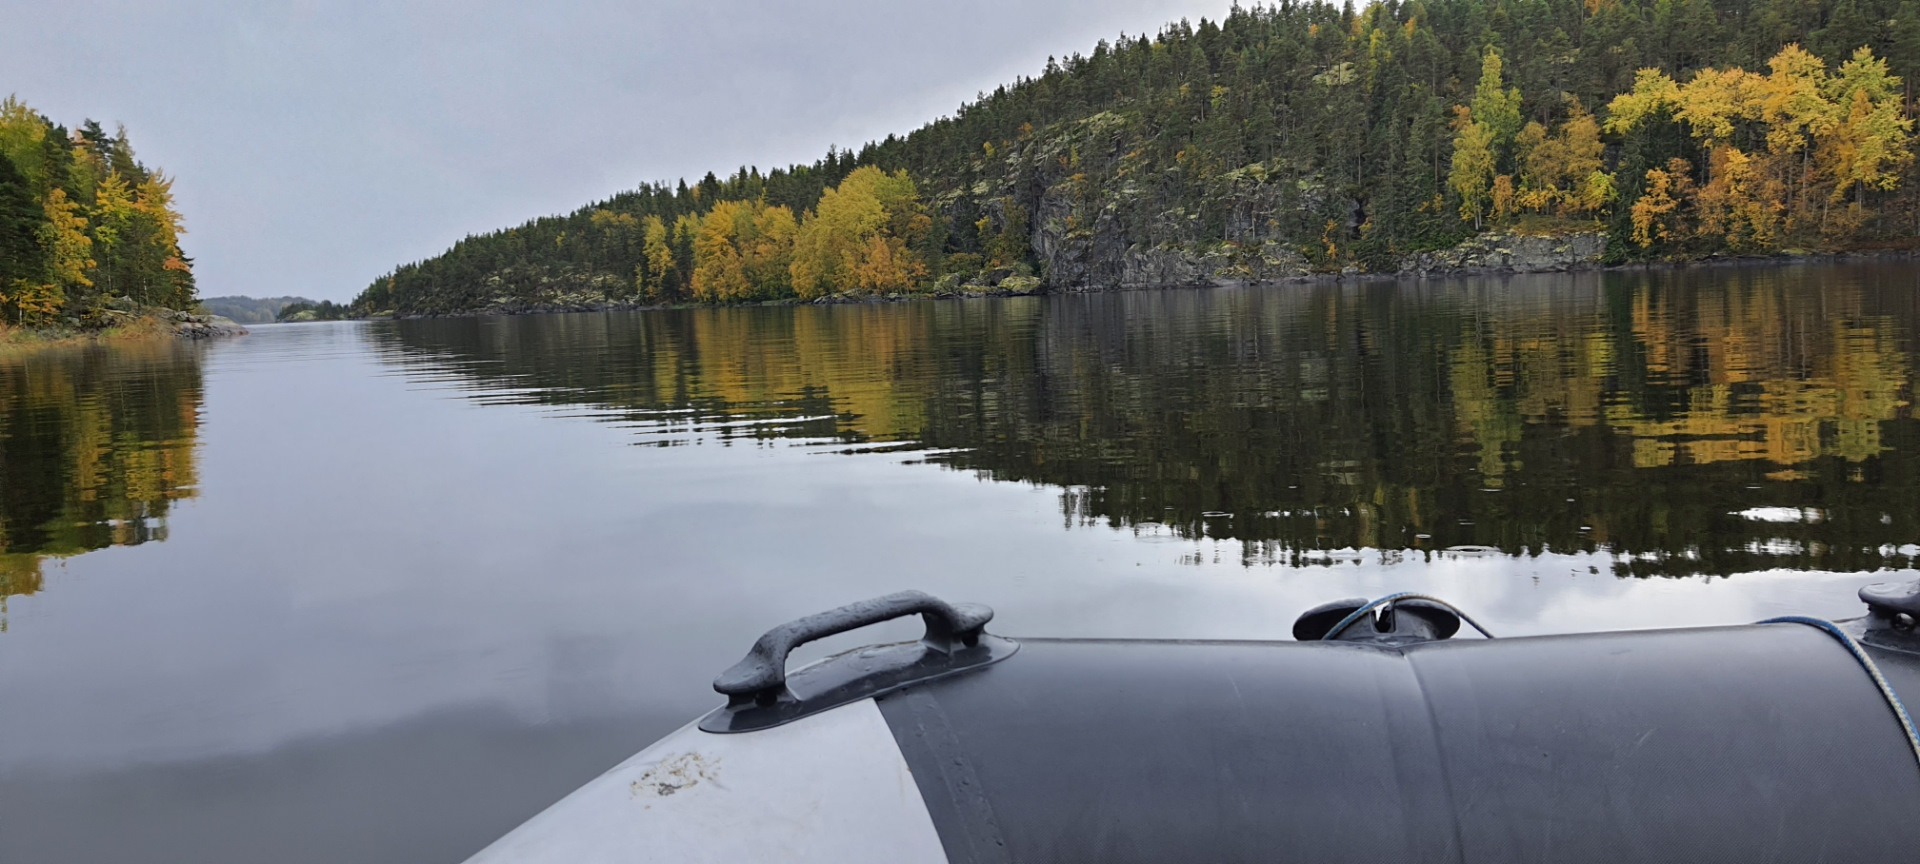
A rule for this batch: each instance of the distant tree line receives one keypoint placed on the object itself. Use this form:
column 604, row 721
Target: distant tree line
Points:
column 312, row 310
column 249, row 310
column 1349, row 136
column 81, row 221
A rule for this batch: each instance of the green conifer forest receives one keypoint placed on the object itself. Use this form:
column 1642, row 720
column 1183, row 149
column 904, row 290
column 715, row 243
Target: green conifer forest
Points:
column 1286, row 140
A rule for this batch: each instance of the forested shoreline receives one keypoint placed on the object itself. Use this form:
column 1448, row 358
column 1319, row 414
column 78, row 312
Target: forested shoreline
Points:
column 89, row 235
column 1284, row 141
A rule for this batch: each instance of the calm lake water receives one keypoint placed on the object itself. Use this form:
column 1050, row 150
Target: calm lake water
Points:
column 379, row 591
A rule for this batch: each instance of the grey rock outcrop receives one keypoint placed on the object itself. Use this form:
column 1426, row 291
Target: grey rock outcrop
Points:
column 190, row 326
column 1091, row 232
column 1497, row 252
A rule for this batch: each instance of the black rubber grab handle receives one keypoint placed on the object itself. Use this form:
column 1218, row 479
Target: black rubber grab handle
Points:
column 762, row 674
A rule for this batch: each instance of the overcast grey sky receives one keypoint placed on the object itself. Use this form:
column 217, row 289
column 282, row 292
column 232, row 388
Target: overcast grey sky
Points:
column 317, row 144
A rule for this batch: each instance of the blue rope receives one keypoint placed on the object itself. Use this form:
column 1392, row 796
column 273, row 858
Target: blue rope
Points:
column 1357, row 614
column 1866, row 662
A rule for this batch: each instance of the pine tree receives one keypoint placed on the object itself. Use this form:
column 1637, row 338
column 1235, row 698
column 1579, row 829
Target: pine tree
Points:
column 21, row 217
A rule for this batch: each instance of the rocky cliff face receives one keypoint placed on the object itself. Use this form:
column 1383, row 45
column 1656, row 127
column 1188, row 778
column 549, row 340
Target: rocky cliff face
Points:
column 1131, row 238
column 1134, row 238
column 1097, row 219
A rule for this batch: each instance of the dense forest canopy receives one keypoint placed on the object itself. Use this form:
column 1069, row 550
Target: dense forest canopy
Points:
column 82, row 222
column 1285, row 139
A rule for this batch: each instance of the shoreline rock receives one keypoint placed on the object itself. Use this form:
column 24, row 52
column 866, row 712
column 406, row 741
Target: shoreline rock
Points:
column 207, row 327
column 1502, row 252
column 123, row 329
column 187, row 325
column 1485, row 255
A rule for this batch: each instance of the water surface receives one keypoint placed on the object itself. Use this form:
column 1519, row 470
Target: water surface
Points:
column 378, row 591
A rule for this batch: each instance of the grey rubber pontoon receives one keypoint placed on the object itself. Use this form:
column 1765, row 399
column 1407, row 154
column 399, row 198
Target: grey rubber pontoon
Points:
column 1372, row 737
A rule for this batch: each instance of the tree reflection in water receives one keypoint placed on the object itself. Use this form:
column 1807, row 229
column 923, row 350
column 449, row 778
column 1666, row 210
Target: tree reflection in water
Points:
column 96, row 443
column 1651, row 415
